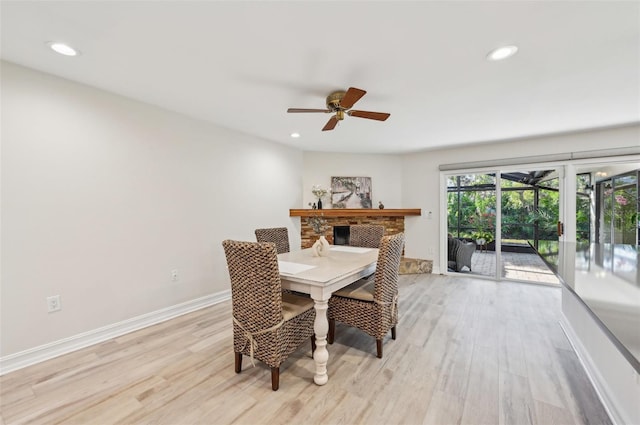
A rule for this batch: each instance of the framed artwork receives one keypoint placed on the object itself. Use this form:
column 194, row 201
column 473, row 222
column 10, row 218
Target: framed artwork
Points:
column 351, row 192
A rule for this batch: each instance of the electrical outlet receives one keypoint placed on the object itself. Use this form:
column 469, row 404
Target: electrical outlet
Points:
column 174, row 275
column 430, row 251
column 53, row 303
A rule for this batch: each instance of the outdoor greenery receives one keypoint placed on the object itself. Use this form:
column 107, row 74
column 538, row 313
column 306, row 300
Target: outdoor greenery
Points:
column 471, row 209
column 583, row 207
column 530, row 212
column 620, row 208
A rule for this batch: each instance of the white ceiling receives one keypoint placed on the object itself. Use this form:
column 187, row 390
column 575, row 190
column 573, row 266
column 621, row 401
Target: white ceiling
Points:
column 241, row 64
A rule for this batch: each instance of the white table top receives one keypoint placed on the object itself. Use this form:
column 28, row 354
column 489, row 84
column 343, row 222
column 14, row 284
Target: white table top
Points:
column 301, row 266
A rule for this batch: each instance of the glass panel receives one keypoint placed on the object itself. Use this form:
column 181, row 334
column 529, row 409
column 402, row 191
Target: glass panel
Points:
column 607, row 211
column 619, row 206
column 530, row 205
column 583, row 207
column 583, row 183
column 471, row 207
column 517, row 207
column 548, row 212
column 630, row 179
column 547, row 215
column 625, row 200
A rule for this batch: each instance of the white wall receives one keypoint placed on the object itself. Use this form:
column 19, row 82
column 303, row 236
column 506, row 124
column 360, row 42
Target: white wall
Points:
column 385, row 172
column 103, row 196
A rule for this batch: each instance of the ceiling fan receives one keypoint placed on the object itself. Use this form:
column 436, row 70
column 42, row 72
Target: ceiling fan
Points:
column 340, row 103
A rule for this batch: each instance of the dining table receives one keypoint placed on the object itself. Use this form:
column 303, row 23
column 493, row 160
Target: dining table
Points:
column 321, row 276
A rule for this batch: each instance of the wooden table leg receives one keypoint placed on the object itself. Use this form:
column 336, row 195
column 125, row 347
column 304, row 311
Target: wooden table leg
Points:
column 321, row 327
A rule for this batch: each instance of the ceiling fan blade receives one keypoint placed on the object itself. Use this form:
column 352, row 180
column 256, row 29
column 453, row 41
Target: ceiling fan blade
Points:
column 351, row 97
column 307, row 110
column 379, row 116
column 331, row 124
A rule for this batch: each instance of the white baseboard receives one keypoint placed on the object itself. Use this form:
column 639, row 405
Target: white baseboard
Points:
column 597, row 381
column 48, row 351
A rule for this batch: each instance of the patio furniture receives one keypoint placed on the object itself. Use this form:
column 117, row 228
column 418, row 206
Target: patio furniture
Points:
column 459, row 254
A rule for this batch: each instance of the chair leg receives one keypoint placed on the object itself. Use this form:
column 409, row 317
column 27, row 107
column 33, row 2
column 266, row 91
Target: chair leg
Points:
column 313, row 344
column 332, row 331
column 379, row 347
column 275, row 378
column 393, row 332
column 238, row 362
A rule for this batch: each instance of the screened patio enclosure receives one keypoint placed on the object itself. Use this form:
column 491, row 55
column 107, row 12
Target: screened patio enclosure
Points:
column 527, row 205
column 529, row 208
column 607, row 210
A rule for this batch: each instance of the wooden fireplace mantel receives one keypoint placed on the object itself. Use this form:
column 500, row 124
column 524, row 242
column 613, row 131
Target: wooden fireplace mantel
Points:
column 391, row 219
column 355, row 212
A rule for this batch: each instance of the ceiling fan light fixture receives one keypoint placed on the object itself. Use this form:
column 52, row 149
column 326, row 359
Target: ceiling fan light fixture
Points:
column 501, row 53
column 62, row 48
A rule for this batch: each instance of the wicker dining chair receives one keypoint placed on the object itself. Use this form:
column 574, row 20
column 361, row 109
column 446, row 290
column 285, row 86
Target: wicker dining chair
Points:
column 365, row 235
column 277, row 235
column 371, row 304
column 268, row 325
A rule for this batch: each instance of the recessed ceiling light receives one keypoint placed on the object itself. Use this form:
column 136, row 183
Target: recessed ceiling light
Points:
column 63, row 49
column 295, row 135
column 502, row 53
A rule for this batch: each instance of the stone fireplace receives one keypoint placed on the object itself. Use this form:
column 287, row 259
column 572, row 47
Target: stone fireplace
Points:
column 339, row 219
column 391, row 219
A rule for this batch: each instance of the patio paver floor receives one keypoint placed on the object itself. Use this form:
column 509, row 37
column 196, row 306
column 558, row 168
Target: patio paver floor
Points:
column 515, row 265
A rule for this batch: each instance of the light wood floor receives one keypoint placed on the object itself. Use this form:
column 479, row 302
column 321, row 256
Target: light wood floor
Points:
column 469, row 351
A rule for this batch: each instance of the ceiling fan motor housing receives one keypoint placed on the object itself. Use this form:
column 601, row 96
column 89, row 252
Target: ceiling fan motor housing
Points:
column 334, row 99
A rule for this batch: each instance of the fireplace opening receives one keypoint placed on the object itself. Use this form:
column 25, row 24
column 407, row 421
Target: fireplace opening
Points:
column 341, row 235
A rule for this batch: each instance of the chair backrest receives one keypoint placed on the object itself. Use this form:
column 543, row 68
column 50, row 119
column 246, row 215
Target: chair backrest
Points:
column 366, row 235
column 388, row 268
column 277, row 235
column 256, row 290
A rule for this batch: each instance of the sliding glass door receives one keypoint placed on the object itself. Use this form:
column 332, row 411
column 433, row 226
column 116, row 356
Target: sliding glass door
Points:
column 618, row 201
column 515, row 216
column 471, row 223
column 529, row 232
column 511, row 220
